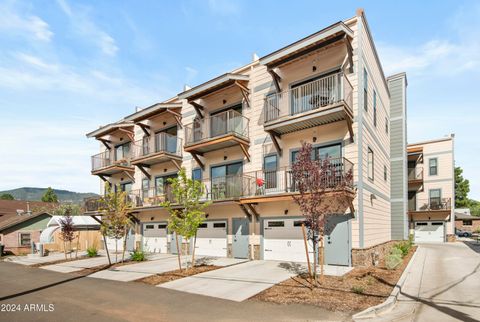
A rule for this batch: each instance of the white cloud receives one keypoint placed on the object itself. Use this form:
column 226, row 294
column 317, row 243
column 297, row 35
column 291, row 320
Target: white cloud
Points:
column 25, row 25
column 84, row 26
column 224, row 7
column 191, row 74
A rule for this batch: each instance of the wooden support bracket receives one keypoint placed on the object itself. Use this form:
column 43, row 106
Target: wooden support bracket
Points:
column 101, row 176
column 350, row 127
column 128, row 174
column 274, row 137
column 96, row 219
column 145, row 128
column 176, row 164
column 245, row 92
column 129, row 134
column 253, row 210
column 276, row 79
column 245, row 151
column 145, row 172
column 200, row 163
column 245, row 210
column 106, row 143
column 350, row 53
column 198, row 108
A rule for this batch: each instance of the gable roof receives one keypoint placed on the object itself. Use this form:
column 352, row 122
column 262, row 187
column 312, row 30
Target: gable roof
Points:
column 9, row 216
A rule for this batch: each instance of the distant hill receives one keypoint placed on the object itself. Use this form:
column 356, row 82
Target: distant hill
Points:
column 35, row 194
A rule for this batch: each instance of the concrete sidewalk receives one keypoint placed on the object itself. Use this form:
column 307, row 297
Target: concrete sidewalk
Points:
column 33, row 259
column 81, row 264
column 442, row 284
column 238, row 282
column 159, row 263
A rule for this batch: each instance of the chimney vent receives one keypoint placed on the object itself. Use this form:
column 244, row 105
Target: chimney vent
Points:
column 186, row 87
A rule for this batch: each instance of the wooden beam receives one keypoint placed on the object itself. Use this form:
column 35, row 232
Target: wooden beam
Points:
column 179, row 121
column 276, row 79
column 200, row 163
column 145, row 172
column 253, row 210
column 245, row 210
column 198, row 108
column 129, row 134
column 173, row 112
column 145, row 128
column 245, row 92
column 106, row 143
column 274, row 137
column 129, row 175
column 96, row 219
column 350, row 127
column 133, row 219
column 245, row 151
column 350, row 53
column 175, row 163
column 101, row 176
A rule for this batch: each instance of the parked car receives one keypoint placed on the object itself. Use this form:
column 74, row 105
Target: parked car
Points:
column 463, row 233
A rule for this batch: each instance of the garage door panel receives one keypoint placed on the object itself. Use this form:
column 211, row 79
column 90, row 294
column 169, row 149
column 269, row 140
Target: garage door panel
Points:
column 212, row 239
column 155, row 237
column 286, row 250
column 429, row 231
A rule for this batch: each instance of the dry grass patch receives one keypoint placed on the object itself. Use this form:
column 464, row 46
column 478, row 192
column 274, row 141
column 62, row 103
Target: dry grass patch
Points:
column 361, row 288
column 177, row 274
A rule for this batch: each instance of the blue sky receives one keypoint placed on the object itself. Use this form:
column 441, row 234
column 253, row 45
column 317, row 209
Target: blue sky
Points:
column 68, row 66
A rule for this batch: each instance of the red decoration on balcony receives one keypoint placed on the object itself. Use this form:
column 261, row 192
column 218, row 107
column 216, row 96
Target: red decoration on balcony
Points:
column 260, row 182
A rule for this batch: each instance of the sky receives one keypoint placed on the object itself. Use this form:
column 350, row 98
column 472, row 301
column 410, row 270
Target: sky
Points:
column 67, row 67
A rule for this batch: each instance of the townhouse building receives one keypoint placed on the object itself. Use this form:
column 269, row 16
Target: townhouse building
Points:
column 431, row 190
column 239, row 134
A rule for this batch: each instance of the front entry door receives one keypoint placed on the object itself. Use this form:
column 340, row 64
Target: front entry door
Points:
column 337, row 240
column 240, row 237
column 173, row 243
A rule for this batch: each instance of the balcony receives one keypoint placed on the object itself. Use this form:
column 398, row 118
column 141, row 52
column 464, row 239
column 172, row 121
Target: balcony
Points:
column 279, row 184
column 428, row 205
column 92, row 204
column 415, row 177
column 104, row 165
column 219, row 131
column 322, row 101
column 231, row 187
column 160, row 148
column 151, row 197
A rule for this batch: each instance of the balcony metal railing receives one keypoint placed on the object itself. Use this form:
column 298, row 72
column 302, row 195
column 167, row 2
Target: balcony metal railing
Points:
column 152, row 196
column 160, row 142
column 429, row 204
column 228, row 122
column 415, row 174
column 92, row 204
column 281, row 180
column 105, row 159
column 317, row 94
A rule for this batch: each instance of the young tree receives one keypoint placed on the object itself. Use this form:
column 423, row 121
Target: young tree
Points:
column 67, row 229
column 314, row 179
column 49, row 196
column 186, row 211
column 115, row 207
column 6, row 196
column 462, row 188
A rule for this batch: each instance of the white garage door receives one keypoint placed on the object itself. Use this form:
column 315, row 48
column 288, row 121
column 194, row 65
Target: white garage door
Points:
column 283, row 240
column 212, row 239
column 429, row 231
column 155, row 238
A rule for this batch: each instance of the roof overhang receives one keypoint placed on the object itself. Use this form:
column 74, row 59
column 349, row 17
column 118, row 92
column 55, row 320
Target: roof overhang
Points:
column 153, row 110
column 213, row 85
column 320, row 39
column 107, row 129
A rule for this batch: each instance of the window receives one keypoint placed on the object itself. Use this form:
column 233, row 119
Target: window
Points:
column 333, row 151
column 385, row 172
column 204, row 225
column 162, row 226
column 145, row 187
column 437, row 223
column 145, row 145
column 162, row 184
column 435, row 199
column 122, row 151
column 197, row 174
column 433, row 166
column 298, row 223
column 421, row 224
column 467, row 222
column 365, row 90
column 370, row 164
column 386, row 125
column 226, row 180
column 276, row 224
column 374, row 108
column 219, row 225
column 270, row 165
column 149, row 227
column 25, row 239
column 126, row 187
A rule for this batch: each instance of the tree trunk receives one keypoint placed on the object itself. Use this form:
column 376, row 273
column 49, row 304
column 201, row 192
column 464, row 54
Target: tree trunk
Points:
column 193, row 251
column 78, row 245
column 306, row 251
column 65, row 249
column 124, row 244
column 116, row 250
column 70, row 248
column 322, row 258
column 179, row 253
column 106, row 249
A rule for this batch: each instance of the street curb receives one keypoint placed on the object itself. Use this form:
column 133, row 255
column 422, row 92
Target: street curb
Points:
column 374, row 311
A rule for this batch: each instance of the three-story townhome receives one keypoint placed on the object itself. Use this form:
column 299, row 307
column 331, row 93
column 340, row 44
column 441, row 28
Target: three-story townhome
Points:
column 239, row 134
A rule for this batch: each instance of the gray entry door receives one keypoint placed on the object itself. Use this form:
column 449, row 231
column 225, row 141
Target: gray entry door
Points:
column 240, row 237
column 173, row 243
column 337, row 240
column 131, row 240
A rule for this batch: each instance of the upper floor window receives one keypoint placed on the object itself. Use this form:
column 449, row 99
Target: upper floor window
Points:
column 433, row 166
column 333, row 151
column 386, row 125
column 365, row 90
column 370, row 164
column 374, row 108
column 122, row 151
column 197, row 174
column 145, row 187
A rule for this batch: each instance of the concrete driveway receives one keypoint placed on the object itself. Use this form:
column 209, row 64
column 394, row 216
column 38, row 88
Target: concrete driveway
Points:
column 157, row 264
column 442, row 285
column 34, row 259
column 238, row 282
column 78, row 265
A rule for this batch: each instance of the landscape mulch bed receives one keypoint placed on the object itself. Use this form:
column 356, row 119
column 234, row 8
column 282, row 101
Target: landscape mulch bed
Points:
column 357, row 290
column 175, row 275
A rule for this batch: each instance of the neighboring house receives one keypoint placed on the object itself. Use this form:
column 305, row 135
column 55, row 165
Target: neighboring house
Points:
column 431, row 189
column 21, row 223
column 239, row 133
column 466, row 222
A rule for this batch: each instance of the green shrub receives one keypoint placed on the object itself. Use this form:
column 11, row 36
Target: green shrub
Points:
column 138, row 256
column 358, row 289
column 404, row 247
column 392, row 261
column 92, row 251
column 396, row 251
